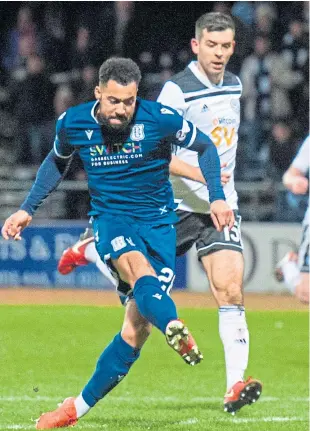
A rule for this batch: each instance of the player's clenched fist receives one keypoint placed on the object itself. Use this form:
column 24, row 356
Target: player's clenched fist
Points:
column 14, row 224
column 222, row 215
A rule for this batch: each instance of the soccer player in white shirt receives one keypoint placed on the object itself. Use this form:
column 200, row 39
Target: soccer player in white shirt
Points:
column 208, row 95
column 293, row 269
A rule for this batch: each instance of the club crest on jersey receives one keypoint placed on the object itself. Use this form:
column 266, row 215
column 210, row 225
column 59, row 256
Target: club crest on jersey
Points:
column 137, row 132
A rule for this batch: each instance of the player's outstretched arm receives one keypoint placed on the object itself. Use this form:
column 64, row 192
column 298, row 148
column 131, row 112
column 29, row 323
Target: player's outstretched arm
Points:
column 49, row 175
column 180, row 168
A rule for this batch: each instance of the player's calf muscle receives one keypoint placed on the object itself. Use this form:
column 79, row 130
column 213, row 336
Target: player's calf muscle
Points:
column 136, row 328
column 136, row 336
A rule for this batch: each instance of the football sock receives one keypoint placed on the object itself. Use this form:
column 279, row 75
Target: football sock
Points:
column 235, row 338
column 112, row 366
column 153, row 303
column 81, row 406
column 92, row 256
column 291, row 275
column 91, row 253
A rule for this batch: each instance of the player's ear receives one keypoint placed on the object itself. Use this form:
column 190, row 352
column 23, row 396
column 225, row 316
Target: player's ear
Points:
column 233, row 45
column 195, row 45
column 97, row 92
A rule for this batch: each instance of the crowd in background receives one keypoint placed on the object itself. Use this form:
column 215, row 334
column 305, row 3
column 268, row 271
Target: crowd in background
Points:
column 51, row 52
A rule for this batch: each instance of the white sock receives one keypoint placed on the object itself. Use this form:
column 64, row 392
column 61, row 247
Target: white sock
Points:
column 291, row 275
column 80, row 406
column 235, row 338
column 91, row 253
column 92, row 256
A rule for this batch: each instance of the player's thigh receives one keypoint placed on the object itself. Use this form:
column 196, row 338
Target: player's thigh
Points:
column 224, row 269
column 222, row 257
column 133, row 265
column 136, row 328
column 160, row 242
column 118, row 241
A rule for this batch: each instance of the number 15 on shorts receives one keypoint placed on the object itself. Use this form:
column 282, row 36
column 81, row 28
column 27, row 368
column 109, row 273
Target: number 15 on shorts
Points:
column 234, row 234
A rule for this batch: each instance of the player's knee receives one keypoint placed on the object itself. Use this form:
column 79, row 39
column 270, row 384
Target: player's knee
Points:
column 137, row 334
column 134, row 265
column 234, row 293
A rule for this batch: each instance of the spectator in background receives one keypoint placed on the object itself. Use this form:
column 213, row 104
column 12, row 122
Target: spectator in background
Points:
column 295, row 51
column 22, row 41
column 31, row 102
column 54, row 44
column 84, row 88
column 266, row 24
column 245, row 11
column 266, row 80
column 63, row 99
column 123, row 12
column 283, row 146
column 82, row 50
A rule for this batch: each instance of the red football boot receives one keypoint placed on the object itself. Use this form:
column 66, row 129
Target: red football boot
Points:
column 74, row 256
column 241, row 394
column 64, row 416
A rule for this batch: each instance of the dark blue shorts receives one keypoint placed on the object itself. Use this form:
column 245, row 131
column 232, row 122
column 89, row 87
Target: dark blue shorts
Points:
column 116, row 235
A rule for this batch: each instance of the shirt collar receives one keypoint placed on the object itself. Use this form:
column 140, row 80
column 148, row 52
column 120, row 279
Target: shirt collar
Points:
column 202, row 77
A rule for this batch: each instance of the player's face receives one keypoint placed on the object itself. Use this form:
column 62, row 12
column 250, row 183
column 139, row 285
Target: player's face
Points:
column 213, row 51
column 116, row 104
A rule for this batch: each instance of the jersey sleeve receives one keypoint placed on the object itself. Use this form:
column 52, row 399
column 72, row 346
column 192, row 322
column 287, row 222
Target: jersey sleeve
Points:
column 62, row 147
column 301, row 161
column 172, row 95
column 179, row 131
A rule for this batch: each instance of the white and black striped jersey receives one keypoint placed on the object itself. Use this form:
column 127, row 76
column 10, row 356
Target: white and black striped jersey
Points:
column 302, row 163
column 215, row 110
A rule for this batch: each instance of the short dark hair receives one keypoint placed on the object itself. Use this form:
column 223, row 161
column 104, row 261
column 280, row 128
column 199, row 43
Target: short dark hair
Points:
column 213, row 21
column 119, row 69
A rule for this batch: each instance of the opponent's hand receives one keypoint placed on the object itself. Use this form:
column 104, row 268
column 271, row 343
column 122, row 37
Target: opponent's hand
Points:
column 14, row 224
column 225, row 176
column 222, row 215
column 299, row 185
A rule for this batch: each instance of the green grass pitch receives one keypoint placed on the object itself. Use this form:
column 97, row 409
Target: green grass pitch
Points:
column 48, row 353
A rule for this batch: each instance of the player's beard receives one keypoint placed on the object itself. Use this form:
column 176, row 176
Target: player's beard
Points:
column 105, row 122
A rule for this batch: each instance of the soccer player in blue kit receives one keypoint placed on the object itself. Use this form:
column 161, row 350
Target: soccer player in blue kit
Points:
column 125, row 145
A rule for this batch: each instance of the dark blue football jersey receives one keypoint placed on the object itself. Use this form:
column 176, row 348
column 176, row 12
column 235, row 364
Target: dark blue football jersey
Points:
column 128, row 172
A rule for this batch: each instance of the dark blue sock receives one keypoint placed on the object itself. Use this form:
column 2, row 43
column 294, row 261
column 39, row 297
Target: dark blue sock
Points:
column 154, row 304
column 112, row 366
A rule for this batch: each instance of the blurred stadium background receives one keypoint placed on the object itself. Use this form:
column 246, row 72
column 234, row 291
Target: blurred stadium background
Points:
column 49, row 56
